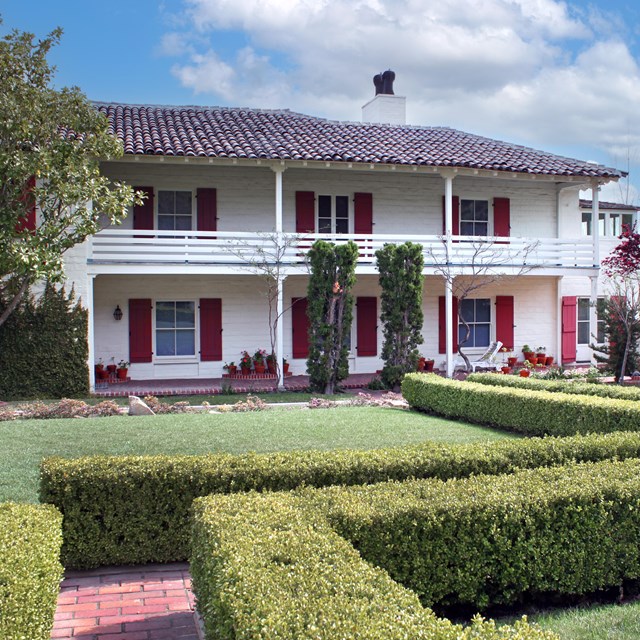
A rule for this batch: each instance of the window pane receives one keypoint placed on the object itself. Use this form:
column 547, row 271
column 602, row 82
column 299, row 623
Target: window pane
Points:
column 583, row 309
column 583, row 333
column 185, row 343
column 586, row 223
column 166, row 202
column 627, row 219
column 600, row 337
column 185, row 316
column 165, row 315
column 342, row 207
column 342, row 225
column 183, row 203
column 481, row 229
column 324, row 225
column 467, row 311
column 324, row 206
column 466, row 228
column 482, row 335
column 461, row 333
column 482, row 210
column 165, row 343
column 183, row 223
column 483, row 310
column 165, row 222
column 466, row 209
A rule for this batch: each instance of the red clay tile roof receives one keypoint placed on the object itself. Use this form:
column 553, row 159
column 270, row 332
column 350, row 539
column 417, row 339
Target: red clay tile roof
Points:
column 223, row 132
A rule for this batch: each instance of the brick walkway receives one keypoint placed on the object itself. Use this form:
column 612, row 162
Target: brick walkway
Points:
column 151, row 602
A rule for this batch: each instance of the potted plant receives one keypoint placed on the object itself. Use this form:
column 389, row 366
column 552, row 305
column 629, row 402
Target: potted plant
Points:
column 123, row 369
column 285, row 366
column 271, row 363
column 541, row 354
column 548, row 361
column 259, row 358
column 528, row 352
column 525, row 372
column 428, row 364
column 111, row 368
column 245, row 363
column 422, row 363
column 231, row 367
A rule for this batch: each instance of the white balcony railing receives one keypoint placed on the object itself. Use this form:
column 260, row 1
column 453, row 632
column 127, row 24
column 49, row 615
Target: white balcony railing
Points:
column 126, row 246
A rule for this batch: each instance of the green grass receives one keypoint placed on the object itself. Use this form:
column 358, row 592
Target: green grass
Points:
column 23, row 443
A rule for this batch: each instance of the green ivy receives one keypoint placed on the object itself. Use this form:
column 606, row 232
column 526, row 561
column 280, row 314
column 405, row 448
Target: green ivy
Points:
column 330, row 312
column 401, row 280
column 44, row 349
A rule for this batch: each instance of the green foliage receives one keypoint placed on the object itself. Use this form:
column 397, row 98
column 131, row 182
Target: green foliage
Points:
column 43, row 348
column 558, row 385
column 401, row 279
column 30, row 570
column 621, row 324
column 533, row 413
column 58, row 137
column 330, row 312
column 134, row 509
column 269, row 566
column 492, row 540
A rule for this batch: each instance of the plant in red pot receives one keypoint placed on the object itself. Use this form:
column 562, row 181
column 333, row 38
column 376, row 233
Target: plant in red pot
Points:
column 528, row 352
column 111, row 368
column 245, row 363
column 231, row 368
column 123, row 370
column 271, row 363
column 259, row 360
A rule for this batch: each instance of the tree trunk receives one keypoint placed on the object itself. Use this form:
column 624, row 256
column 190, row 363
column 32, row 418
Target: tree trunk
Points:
column 14, row 301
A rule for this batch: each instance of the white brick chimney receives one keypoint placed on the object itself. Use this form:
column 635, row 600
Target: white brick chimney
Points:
column 385, row 107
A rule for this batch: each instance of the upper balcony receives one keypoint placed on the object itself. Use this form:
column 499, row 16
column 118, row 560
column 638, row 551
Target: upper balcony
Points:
column 137, row 251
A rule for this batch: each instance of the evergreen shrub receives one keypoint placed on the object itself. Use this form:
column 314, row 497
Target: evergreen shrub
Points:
column 134, row 510
column 30, row 570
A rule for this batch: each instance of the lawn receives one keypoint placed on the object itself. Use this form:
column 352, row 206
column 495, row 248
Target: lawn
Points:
column 23, row 443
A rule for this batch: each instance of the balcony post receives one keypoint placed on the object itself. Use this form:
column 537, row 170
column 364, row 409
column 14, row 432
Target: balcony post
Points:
column 280, row 331
column 278, row 170
column 448, row 229
column 595, row 222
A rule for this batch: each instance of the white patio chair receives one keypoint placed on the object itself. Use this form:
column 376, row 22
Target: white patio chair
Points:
column 487, row 360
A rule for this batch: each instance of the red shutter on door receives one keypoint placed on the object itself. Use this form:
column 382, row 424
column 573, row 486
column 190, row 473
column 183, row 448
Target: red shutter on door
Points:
column 442, row 336
column 363, row 213
column 367, row 326
column 143, row 213
column 207, row 210
column 504, row 321
column 305, row 212
column 28, row 222
column 140, row 342
column 569, row 328
column 455, row 215
column 300, row 328
column 501, row 217
column 210, row 329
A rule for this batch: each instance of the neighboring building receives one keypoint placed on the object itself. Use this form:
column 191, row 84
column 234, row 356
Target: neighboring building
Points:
column 222, row 181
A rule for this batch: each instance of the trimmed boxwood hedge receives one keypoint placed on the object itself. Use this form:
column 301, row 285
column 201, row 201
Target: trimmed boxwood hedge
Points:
column 533, row 413
column 133, row 510
column 564, row 386
column 269, row 566
column 482, row 540
column 30, row 570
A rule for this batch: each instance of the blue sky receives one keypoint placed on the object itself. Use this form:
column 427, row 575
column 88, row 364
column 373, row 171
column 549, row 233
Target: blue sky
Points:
column 559, row 76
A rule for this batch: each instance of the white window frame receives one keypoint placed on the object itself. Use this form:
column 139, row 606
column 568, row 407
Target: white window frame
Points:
column 333, row 197
column 190, row 358
column 579, row 322
column 489, row 202
column 156, row 213
column 492, row 326
column 605, row 223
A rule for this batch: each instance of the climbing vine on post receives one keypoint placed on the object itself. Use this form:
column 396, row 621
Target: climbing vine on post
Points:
column 401, row 280
column 330, row 312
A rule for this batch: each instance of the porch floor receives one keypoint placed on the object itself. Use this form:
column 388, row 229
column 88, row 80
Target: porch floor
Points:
column 214, row 386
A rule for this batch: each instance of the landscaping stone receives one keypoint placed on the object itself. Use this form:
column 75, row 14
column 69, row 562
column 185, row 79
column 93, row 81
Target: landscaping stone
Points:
column 138, row 407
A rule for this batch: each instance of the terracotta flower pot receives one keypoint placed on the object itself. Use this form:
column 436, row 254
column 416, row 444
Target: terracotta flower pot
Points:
column 512, row 361
column 428, row 365
column 524, row 373
column 286, row 368
column 232, row 369
column 506, row 370
column 271, row 367
column 528, row 354
column 259, row 367
column 245, row 370
column 122, row 373
column 111, row 368
column 421, row 364
column 548, row 361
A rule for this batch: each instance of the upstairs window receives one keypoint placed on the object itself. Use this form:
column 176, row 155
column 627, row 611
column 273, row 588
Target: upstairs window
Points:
column 333, row 214
column 477, row 314
column 175, row 328
column 474, row 218
column 175, row 210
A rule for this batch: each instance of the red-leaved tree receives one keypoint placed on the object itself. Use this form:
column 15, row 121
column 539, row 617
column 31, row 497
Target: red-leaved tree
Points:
column 625, row 258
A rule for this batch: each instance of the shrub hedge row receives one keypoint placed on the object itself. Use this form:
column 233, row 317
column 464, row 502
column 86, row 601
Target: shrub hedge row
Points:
column 564, row 386
column 533, row 413
column 572, row 529
column 267, row 566
column 30, row 570
column 132, row 510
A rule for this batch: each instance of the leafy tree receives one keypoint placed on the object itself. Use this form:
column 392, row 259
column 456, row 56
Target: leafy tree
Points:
column 330, row 312
column 401, row 280
column 625, row 258
column 50, row 144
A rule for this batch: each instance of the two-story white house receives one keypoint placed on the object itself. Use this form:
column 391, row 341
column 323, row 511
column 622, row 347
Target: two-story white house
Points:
column 222, row 181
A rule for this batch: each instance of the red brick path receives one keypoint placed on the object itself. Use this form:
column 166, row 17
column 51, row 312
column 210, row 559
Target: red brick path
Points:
column 152, row 602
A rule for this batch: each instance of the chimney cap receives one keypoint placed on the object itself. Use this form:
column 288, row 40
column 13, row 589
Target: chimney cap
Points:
column 383, row 82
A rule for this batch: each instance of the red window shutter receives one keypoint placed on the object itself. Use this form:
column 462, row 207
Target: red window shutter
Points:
column 28, row 222
column 501, row 217
column 504, row 321
column 363, row 213
column 210, row 329
column 140, row 343
column 300, row 328
column 143, row 213
column 569, row 328
column 207, row 210
column 455, row 215
column 367, row 326
column 442, row 335
column 305, row 212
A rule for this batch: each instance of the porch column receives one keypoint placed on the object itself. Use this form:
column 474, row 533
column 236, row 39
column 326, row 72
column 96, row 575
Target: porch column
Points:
column 595, row 222
column 90, row 333
column 278, row 170
column 448, row 306
column 593, row 310
column 280, row 331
